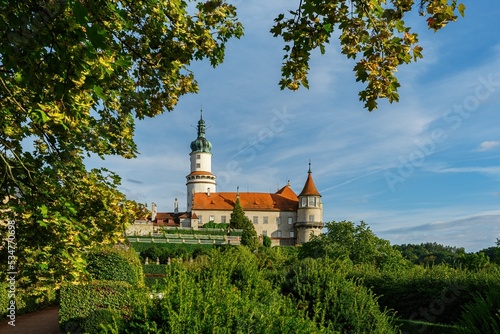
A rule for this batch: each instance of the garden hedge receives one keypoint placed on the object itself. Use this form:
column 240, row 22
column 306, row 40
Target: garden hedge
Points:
column 27, row 300
column 115, row 264
column 82, row 306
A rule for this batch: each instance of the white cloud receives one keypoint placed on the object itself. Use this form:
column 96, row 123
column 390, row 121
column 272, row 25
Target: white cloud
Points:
column 491, row 170
column 488, row 146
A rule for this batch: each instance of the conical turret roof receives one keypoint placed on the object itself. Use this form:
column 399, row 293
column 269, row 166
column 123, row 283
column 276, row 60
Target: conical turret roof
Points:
column 309, row 188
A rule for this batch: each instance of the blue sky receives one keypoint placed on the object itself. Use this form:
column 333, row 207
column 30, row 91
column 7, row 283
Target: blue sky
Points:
column 426, row 169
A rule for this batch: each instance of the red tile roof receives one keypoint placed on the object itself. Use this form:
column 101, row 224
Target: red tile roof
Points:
column 283, row 200
column 309, row 187
column 170, row 218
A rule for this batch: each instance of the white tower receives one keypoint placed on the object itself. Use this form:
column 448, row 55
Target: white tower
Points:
column 201, row 178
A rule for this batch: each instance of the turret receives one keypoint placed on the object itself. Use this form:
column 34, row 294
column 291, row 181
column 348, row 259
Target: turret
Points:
column 201, row 178
column 310, row 211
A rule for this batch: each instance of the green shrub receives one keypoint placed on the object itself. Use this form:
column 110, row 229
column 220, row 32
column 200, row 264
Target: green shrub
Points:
column 212, row 224
column 115, row 264
column 79, row 303
column 434, row 294
column 28, row 299
column 180, row 251
column 320, row 287
column 223, row 293
column 154, row 268
column 266, row 241
column 4, row 299
column 102, row 321
column 482, row 315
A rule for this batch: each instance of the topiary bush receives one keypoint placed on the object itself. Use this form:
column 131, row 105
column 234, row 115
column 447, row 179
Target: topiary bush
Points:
column 85, row 306
column 27, row 299
column 115, row 264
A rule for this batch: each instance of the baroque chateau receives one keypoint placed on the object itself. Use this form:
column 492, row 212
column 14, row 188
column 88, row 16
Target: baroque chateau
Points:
column 283, row 216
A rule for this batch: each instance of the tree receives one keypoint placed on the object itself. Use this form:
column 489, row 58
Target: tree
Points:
column 374, row 31
column 240, row 221
column 431, row 253
column 357, row 242
column 74, row 76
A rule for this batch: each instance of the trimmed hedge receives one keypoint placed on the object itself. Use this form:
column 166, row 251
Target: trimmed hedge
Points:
column 27, row 300
column 181, row 251
column 155, row 268
column 437, row 294
column 142, row 246
column 84, row 307
column 4, row 299
column 115, row 264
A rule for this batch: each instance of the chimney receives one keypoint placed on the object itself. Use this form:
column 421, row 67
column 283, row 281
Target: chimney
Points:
column 208, row 192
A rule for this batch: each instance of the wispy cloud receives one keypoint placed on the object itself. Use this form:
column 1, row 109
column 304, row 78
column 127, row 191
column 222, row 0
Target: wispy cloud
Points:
column 488, row 146
column 491, row 170
column 473, row 233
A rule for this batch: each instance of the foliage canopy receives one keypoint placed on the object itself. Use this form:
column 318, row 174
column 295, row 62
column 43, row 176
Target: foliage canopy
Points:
column 74, row 76
column 354, row 242
column 373, row 31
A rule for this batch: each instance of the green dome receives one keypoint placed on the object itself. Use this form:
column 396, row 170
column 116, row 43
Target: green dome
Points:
column 201, row 144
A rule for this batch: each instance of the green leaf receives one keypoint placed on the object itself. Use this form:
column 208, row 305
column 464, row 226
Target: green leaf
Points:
column 80, row 12
column 461, row 9
column 99, row 92
column 97, row 37
column 400, row 25
column 44, row 210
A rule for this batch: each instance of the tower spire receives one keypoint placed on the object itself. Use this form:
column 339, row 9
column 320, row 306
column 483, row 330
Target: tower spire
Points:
column 309, row 171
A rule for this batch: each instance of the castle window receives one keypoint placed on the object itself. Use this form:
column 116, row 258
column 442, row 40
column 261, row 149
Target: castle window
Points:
column 304, row 201
column 292, row 234
column 278, row 220
column 255, row 219
column 211, row 218
column 278, row 234
column 266, row 220
column 198, row 156
column 200, row 219
column 312, row 201
column 290, row 220
column 223, row 219
column 311, row 218
column 264, row 233
column 198, row 165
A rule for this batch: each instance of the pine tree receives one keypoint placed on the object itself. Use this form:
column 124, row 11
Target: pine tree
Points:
column 240, row 221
